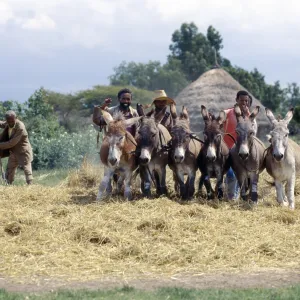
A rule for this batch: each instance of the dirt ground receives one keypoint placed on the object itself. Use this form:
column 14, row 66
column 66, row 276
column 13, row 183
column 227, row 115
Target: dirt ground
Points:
column 262, row 279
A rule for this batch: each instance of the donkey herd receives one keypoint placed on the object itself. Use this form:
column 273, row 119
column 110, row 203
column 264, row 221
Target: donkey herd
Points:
column 154, row 147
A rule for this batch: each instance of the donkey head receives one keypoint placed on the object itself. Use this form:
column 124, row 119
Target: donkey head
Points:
column 180, row 134
column 116, row 135
column 245, row 131
column 212, row 132
column 279, row 135
column 148, row 139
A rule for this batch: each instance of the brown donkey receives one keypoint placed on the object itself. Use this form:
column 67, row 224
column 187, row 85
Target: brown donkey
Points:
column 247, row 156
column 117, row 154
column 183, row 153
column 213, row 160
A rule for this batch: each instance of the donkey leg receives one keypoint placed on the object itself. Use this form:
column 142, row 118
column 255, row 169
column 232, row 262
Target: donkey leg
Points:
column 180, row 181
column 253, row 185
column 127, row 184
column 104, row 184
column 120, row 182
column 146, row 182
column 191, row 184
column 220, row 193
column 280, row 192
column 291, row 191
column 207, row 184
column 162, row 189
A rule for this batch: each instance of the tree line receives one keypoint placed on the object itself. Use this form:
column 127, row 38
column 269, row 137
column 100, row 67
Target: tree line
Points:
column 191, row 54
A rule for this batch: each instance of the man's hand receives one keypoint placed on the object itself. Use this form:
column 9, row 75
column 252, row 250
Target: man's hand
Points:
column 107, row 101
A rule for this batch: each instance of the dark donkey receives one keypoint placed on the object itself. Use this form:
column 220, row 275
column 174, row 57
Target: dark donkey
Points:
column 152, row 155
column 247, row 156
column 183, row 153
column 213, row 160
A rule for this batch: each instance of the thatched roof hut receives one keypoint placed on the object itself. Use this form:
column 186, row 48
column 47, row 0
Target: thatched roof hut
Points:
column 216, row 89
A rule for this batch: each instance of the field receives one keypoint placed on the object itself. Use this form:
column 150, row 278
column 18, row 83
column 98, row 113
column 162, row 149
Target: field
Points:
column 53, row 234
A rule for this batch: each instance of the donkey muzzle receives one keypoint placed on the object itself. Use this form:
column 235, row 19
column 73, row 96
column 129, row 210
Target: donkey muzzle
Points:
column 243, row 156
column 144, row 160
column 112, row 161
column 178, row 158
column 278, row 156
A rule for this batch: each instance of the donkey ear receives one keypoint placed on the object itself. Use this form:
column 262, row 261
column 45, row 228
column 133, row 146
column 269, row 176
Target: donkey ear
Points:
column 184, row 113
column 132, row 121
column 222, row 117
column 289, row 116
column 270, row 116
column 173, row 111
column 238, row 112
column 204, row 113
column 107, row 116
column 254, row 113
column 140, row 109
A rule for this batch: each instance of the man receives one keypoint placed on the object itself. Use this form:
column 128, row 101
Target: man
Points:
column 160, row 113
column 15, row 139
column 124, row 106
column 244, row 101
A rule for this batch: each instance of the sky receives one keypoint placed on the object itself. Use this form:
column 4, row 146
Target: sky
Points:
column 70, row 45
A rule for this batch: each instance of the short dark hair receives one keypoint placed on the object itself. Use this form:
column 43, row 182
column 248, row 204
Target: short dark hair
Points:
column 124, row 91
column 241, row 93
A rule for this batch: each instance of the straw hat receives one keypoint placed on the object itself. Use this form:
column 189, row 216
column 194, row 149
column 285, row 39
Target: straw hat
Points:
column 160, row 95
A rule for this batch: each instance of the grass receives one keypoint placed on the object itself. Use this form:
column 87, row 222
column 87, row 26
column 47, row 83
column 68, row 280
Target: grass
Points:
column 61, row 232
column 163, row 293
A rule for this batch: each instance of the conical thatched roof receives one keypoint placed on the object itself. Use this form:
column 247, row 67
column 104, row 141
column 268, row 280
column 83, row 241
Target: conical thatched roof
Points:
column 216, row 89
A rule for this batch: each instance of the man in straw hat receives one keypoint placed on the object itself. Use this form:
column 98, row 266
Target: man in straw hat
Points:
column 244, row 100
column 160, row 113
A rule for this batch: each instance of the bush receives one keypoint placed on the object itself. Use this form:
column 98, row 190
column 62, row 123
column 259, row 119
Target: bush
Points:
column 66, row 150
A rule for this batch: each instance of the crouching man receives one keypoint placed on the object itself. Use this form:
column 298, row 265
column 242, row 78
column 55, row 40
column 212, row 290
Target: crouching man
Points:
column 14, row 143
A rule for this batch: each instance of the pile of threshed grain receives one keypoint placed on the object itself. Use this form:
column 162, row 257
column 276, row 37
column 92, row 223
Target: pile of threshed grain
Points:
column 61, row 232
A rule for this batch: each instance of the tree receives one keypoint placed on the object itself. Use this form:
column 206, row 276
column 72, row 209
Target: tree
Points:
column 193, row 50
column 214, row 38
column 151, row 76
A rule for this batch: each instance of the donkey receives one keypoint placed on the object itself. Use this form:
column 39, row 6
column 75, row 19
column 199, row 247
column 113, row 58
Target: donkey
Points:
column 117, row 154
column 152, row 155
column 282, row 158
column 247, row 156
column 183, row 153
column 213, row 160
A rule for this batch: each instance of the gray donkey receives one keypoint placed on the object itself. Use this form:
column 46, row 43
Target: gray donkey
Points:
column 183, row 153
column 282, row 158
column 247, row 156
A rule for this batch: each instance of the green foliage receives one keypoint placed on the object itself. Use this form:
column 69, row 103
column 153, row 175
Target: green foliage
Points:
column 214, row 38
column 11, row 105
column 64, row 150
column 194, row 50
column 151, row 76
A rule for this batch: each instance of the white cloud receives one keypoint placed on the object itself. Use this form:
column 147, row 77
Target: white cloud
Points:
column 5, row 13
column 40, row 22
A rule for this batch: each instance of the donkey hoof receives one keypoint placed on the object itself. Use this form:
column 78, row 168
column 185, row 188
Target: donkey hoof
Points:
column 244, row 197
column 220, row 194
column 254, row 196
column 210, row 196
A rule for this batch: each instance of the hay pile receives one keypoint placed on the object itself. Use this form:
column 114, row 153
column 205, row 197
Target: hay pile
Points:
column 60, row 232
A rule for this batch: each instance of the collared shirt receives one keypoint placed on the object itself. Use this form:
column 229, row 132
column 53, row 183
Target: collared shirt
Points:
column 131, row 113
column 10, row 129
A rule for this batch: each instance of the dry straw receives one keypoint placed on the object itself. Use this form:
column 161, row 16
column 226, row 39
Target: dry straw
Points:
column 61, row 232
